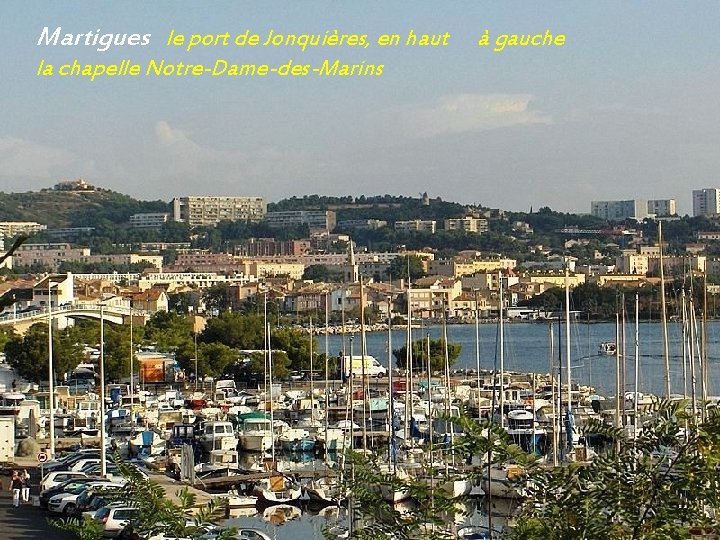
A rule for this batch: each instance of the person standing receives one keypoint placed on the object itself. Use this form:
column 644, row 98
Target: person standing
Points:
column 15, row 487
column 25, row 492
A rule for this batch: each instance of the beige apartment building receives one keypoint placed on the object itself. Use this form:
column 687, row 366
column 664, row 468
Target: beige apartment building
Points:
column 13, row 228
column 212, row 210
column 52, row 255
column 558, row 280
column 427, row 225
column 469, row 224
column 457, row 267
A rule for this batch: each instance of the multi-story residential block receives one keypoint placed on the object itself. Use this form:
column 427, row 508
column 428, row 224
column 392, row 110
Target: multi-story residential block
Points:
column 632, row 262
column 52, row 255
column 662, row 207
column 619, row 210
column 213, row 210
column 635, row 262
column 66, row 233
column 149, row 220
column 427, row 225
column 195, row 280
column 202, row 260
column 557, row 280
column 431, row 295
column 269, row 247
column 323, row 220
column 365, row 224
column 469, row 224
column 706, row 202
column 460, row 266
column 47, row 255
column 270, row 269
column 13, row 228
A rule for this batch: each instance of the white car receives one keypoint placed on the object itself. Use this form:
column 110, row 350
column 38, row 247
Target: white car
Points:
column 114, row 518
column 65, row 503
column 252, row 534
column 83, row 462
column 55, row 478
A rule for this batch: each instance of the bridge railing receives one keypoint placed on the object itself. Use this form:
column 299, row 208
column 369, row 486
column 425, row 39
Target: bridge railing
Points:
column 42, row 312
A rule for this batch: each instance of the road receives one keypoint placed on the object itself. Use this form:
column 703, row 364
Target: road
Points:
column 26, row 522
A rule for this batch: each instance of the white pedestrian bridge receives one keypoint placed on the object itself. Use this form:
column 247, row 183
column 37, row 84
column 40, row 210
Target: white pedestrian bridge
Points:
column 22, row 320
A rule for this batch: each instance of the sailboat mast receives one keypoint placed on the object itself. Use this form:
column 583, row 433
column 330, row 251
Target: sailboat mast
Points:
column 618, row 390
column 477, row 350
column 362, row 354
column 272, row 407
column 703, row 351
column 391, row 407
column 408, row 360
column 693, row 336
column 663, row 315
column 684, row 343
column 637, row 364
column 327, row 372
column 502, row 352
column 312, row 387
column 555, row 432
column 567, row 339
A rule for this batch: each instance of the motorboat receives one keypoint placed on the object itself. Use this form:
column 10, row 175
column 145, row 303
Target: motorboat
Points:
column 276, row 489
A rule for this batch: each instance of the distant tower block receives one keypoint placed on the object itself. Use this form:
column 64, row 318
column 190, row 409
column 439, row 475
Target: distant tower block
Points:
column 425, row 199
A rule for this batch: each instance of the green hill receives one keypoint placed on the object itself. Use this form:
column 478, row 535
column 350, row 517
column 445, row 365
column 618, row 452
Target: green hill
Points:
column 87, row 208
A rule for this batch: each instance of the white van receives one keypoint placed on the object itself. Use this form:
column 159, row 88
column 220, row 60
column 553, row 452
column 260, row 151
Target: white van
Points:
column 371, row 367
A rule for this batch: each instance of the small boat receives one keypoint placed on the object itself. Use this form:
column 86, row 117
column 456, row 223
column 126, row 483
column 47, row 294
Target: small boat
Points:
column 276, row 489
column 325, row 491
column 607, row 348
column 503, row 481
column 297, row 440
column 221, row 463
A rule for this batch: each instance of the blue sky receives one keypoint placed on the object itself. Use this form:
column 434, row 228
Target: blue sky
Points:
column 627, row 108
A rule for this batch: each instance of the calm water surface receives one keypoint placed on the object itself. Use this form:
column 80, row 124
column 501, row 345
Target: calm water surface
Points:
column 527, row 349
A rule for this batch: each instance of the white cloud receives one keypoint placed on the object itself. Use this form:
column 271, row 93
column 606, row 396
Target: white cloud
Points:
column 461, row 113
column 22, row 159
column 190, row 165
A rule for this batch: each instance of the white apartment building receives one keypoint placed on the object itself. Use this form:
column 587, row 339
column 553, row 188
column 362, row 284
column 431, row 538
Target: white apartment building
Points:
column 213, row 210
column 427, row 225
column 469, row 224
column 618, row 210
column 324, row 220
column 150, row 220
column 706, row 202
column 13, row 228
column 662, row 207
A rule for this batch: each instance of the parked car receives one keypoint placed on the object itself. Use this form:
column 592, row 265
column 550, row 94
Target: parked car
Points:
column 86, row 452
column 55, row 478
column 115, row 518
column 65, row 464
column 66, row 486
column 65, row 503
column 96, row 497
column 80, row 464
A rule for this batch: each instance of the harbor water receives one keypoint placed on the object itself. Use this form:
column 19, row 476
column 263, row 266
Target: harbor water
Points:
column 528, row 349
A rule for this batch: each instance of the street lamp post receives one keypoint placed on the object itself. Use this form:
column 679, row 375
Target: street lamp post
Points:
column 103, row 451
column 51, row 385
